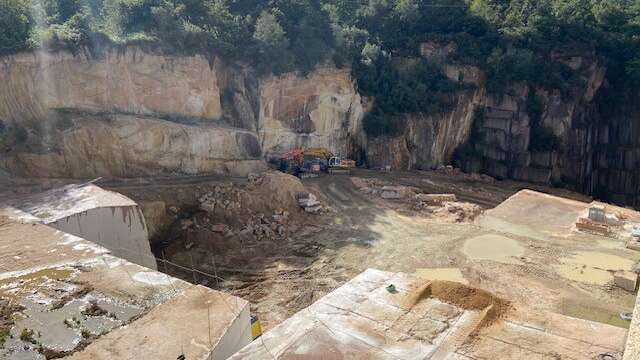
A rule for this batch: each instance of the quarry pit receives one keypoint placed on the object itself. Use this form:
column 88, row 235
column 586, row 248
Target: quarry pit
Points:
column 251, row 239
column 532, row 251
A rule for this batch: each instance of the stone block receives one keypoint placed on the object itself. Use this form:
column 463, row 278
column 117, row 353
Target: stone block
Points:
column 496, row 138
column 490, row 152
column 627, row 280
column 435, row 198
column 393, row 192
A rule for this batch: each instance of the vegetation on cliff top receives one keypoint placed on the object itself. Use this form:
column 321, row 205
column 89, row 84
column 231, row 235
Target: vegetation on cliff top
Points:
column 512, row 40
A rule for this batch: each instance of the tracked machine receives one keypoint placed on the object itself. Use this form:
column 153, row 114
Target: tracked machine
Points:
column 310, row 162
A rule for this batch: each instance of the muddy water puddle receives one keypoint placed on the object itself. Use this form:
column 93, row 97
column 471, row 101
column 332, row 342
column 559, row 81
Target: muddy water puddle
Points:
column 592, row 267
column 494, row 248
column 584, row 274
column 583, row 311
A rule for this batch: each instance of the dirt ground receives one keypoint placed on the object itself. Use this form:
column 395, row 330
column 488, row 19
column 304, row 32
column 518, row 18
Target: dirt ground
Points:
column 285, row 271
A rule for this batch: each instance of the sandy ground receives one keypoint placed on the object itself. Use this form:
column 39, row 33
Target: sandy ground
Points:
column 528, row 259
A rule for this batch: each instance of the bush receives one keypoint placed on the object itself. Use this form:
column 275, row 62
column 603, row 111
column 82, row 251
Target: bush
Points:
column 506, row 66
column 511, row 40
column 377, row 123
column 16, row 22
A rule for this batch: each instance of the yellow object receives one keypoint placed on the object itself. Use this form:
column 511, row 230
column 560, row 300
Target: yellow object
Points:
column 256, row 329
column 318, row 152
column 348, row 163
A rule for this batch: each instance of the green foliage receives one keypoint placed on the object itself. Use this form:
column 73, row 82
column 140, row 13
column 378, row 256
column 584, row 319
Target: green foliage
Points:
column 534, row 107
column 16, row 22
column 400, row 87
column 26, row 335
column 505, row 67
column 512, row 40
column 272, row 43
column 377, row 123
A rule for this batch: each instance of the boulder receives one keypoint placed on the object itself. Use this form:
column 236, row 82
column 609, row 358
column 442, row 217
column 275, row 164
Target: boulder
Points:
column 627, row 280
column 435, row 198
column 393, row 192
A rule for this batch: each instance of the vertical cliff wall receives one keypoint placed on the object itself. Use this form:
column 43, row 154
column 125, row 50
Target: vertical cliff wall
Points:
column 125, row 81
column 131, row 112
column 607, row 153
column 427, row 141
column 136, row 113
column 322, row 109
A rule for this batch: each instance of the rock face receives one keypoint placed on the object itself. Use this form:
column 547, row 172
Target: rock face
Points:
column 428, row 141
column 134, row 113
column 129, row 81
column 126, row 145
column 319, row 110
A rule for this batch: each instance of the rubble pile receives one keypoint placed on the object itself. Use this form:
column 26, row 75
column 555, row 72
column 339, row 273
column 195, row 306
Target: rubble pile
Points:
column 441, row 205
column 260, row 227
column 247, row 211
column 369, row 186
column 383, row 189
column 223, row 198
column 462, row 211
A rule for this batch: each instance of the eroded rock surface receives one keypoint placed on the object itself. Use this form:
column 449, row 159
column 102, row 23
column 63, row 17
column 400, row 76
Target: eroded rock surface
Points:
column 135, row 113
column 322, row 109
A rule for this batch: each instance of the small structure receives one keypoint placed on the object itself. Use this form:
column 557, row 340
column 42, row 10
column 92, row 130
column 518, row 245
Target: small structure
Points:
column 597, row 214
column 595, row 222
column 105, row 217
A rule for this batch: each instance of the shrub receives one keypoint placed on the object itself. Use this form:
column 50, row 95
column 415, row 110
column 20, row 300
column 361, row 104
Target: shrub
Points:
column 16, row 22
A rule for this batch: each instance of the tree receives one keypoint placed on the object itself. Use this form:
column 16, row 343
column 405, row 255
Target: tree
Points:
column 16, row 21
column 272, row 44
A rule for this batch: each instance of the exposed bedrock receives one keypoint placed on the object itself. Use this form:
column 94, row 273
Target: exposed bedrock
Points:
column 322, row 109
column 134, row 113
column 130, row 112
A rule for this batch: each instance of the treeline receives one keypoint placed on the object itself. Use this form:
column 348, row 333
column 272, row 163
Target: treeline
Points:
column 510, row 39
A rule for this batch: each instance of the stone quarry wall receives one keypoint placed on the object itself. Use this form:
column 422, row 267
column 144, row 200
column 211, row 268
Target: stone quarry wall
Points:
column 122, row 230
column 322, row 109
column 126, row 145
column 429, row 141
column 135, row 113
column 124, row 81
column 503, row 132
column 607, row 157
